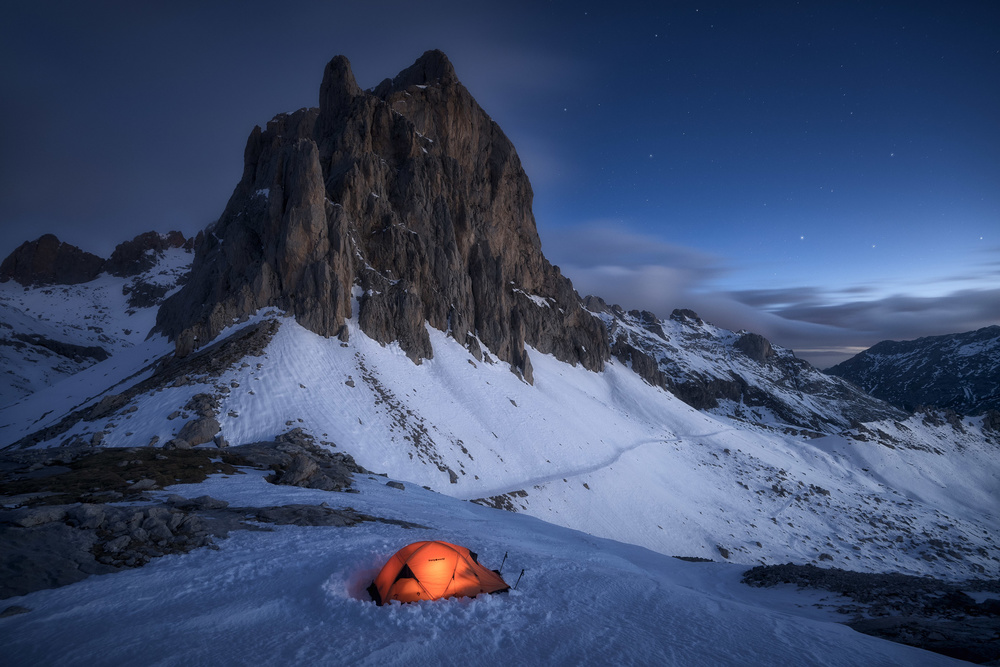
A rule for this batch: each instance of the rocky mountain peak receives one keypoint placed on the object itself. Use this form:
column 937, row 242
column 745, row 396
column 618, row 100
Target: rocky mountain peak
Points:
column 409, row 194
column 685, row 316
column 955, row 371
column 338, row 89
column 49, row 261
column 433, row 67
column 130, row 258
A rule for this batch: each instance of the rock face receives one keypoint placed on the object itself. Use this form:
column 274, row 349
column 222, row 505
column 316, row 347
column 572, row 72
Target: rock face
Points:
column 959, row 372
column 49, row 261
column 409, row 193
column 138, row 255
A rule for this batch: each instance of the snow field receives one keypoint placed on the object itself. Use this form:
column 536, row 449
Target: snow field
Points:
column 600, row 452
column 295, row 595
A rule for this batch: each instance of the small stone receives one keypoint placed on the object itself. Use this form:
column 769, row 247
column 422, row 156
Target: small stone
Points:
column 14, row 610
column 86, row 515
column 144, row 484
column 209, row 503
column 174, row 415
column 116, row 545
column 396, row 485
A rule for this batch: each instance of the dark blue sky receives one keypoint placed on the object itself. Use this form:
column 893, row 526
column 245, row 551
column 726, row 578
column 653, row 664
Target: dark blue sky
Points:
column 825, row 173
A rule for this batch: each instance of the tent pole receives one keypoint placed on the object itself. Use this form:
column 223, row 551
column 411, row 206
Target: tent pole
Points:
column 518, row 579
column 502, row 562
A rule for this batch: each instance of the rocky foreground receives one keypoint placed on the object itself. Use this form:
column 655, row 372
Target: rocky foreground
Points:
column 917, row 611
column 74, row 512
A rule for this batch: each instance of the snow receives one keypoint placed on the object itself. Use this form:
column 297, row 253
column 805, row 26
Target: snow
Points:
column 601, row 452
column 296, row 595
column 610, row 477
column 539, row 301
column 95, row 313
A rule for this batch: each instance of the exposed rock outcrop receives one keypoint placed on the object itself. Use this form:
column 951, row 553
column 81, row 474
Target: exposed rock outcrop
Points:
column 409, row 192
column 131, row 258
column 49, row 261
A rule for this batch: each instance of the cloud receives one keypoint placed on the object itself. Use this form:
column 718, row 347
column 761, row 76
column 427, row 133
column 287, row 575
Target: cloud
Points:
column 823, row 326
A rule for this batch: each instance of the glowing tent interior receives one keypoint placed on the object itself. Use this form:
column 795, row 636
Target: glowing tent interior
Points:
column 431, row 570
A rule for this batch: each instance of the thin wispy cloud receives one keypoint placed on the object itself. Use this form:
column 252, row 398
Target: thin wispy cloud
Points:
column 824, row 326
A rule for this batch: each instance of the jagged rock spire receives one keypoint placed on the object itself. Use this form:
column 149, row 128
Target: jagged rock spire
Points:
column 410, row 192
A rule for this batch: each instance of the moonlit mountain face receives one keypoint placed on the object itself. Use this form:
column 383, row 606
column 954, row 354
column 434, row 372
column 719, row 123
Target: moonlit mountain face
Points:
column 369, row 349
column 960, row 372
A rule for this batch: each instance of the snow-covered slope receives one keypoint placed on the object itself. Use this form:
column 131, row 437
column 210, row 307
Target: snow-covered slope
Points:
column 605, row 453
column 960, row 371
column 735, row 374
column 295, row 595
column 51, row 332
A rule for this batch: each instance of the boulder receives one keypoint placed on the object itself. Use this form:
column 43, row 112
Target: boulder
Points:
column 199, row 431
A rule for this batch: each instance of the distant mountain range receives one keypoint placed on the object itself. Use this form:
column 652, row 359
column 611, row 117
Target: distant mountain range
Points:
column 959, row 372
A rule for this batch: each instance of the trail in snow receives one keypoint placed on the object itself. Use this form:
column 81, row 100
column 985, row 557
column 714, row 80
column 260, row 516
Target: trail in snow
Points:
column 587, row 469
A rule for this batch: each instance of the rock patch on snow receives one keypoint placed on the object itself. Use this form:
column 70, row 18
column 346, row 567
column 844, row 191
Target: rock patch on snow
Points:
column 919, row 611
column 59, row 528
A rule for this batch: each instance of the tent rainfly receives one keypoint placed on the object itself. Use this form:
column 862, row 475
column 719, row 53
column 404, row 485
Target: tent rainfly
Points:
column 432, row 570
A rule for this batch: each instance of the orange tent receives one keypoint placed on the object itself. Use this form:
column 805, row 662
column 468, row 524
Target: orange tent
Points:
column 432, row 570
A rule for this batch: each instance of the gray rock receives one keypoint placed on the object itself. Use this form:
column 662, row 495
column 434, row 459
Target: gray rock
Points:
column 209, row 503
column 86, row 515
column 299, row 472
column 117, row 544
column 396, row 485
column 203, row 405
column 26, row 517
column 199, row 431
column 145, row 484
column 156, row 528
column 176, row 443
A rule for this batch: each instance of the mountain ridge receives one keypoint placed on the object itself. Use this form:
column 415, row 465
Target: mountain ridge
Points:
column 959, row 371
